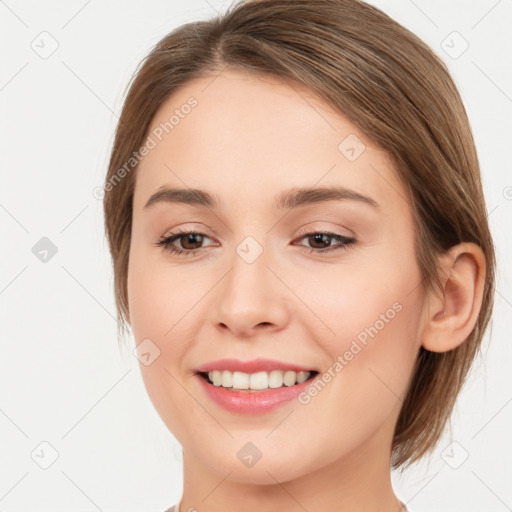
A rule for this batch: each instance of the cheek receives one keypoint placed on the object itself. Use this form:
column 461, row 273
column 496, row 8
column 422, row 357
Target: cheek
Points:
column 157, row 303
column 164, row 302
column 158, row 296
column 370, row 312
column 368, row 361
column 367, row 296
column 381, row 312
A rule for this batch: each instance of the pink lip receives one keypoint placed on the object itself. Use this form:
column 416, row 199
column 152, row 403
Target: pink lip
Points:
column 255, row 402
column 256, row 365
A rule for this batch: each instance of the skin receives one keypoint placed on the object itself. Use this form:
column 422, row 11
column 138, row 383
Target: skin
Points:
column 289, row 304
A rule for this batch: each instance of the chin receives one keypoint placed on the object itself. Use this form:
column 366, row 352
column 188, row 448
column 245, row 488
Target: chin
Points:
column 245, row 463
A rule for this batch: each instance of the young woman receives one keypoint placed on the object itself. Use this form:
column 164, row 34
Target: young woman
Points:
column 300, row 246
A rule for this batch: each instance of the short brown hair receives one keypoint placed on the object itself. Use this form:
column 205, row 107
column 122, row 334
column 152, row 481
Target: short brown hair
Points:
column 389, row 84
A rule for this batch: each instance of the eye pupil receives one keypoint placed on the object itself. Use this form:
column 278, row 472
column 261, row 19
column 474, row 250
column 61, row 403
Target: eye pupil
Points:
column 320, row 238
column 190, row 238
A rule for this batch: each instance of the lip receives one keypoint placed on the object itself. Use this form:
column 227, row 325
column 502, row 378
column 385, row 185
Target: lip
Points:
column 255, row 402
column 252, row 366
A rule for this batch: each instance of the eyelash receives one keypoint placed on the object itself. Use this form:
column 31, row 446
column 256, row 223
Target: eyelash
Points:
column 166, row 242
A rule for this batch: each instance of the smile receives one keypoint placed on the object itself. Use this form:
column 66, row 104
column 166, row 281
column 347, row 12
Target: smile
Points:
column 238, row 381
column 275, row 388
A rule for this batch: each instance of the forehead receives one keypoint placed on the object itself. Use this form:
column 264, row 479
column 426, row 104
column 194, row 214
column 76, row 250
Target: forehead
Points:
column 253, row 136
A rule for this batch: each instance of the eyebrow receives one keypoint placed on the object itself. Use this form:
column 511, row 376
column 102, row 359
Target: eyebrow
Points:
column 289, row 199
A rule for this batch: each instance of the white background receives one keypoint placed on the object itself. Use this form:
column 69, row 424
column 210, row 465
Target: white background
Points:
column 63, row 379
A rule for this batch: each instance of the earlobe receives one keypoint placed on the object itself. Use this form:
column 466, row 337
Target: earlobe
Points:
column 452, row 315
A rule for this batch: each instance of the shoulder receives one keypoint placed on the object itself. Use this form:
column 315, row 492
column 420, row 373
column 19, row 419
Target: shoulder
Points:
column 171, row 509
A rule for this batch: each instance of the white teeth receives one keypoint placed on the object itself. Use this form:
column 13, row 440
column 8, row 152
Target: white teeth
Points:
column 275, row 379
column 215, row 377
column 302, row 377
column 256, row 381
column 227, row 379
column 289, row 378
column 240, row 380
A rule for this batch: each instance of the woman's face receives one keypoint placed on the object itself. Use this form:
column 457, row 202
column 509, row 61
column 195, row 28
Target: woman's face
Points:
column 259, row 285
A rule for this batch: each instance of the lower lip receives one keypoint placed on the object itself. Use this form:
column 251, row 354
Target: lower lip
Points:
column 255, row 402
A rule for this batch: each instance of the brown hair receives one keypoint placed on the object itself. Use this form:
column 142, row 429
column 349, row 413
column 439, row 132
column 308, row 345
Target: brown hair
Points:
column 389, row 84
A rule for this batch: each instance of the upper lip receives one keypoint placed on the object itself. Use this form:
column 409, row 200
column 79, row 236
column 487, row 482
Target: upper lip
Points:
column 252, row 366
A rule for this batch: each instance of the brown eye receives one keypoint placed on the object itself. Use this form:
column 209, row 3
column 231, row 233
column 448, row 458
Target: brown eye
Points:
column 191, row 240
column 323, row 242
column 319, row 240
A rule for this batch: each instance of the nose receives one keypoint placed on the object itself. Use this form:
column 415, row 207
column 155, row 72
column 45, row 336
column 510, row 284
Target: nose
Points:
column 251, row 299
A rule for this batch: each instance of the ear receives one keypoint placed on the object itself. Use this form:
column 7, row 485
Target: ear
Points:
column 452, row 314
